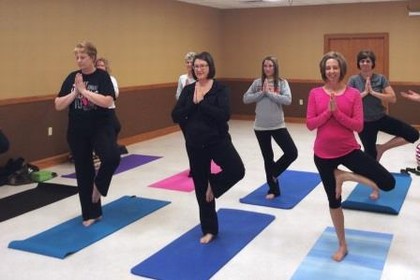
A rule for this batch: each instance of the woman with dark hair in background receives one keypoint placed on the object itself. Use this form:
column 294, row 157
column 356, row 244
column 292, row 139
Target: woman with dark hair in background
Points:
column 375, row 91
column 270, row 93
column 203, row 110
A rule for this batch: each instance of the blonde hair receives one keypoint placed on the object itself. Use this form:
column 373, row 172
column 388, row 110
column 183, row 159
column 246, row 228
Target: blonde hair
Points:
column 88, row 48
column 189, row 56
column 106, row 63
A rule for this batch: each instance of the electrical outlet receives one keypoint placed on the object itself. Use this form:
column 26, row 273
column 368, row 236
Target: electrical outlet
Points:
column 50, row 131
column 300, row 101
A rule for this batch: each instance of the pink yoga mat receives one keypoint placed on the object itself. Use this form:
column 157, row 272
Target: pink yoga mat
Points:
column 181, row 181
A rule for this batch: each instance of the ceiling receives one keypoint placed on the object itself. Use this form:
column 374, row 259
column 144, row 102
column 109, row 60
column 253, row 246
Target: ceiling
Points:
column 243, row 4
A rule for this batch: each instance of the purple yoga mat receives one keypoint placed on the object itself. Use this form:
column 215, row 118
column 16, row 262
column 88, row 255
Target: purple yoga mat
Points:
column 127, row 163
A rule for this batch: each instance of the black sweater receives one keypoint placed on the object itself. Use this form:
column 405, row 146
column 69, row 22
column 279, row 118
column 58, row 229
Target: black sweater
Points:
column 204, row 123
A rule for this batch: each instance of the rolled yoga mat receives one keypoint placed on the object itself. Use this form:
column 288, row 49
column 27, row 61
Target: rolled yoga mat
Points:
column 186, row 258
column 294, row 186
column 71, row 236
column 365, row 261
column 127, row 163
column 388, row 202
column 23, row 202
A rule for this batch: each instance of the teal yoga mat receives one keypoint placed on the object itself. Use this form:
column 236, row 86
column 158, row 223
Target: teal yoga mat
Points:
column 294, row 185
column 365, row 261
column 71, row 236
column 388, row 202
column 186, row 258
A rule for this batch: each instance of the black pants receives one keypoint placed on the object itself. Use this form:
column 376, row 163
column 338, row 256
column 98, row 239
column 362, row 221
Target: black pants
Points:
column 389, row 125
column 285, row 142
column 359, row 163
column 225, row 155
column 99, row 137
column 186, row 147
column 4, row 142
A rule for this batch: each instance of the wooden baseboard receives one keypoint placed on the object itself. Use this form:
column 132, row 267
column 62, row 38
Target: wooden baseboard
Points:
column 51, row 161
column 148, row 135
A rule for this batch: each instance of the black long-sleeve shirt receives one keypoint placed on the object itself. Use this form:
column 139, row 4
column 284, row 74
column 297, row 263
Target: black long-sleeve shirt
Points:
column 205, row 123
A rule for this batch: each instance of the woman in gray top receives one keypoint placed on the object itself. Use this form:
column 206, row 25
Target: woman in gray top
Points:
column 376, row 90
column 270, row 93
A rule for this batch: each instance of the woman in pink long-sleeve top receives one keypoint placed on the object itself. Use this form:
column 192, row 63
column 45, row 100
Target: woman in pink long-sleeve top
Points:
column 336, row 112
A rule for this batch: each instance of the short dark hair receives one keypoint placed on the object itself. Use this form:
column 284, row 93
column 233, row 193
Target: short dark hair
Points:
column 209, row 59
column 363, row 54
column 341, row 62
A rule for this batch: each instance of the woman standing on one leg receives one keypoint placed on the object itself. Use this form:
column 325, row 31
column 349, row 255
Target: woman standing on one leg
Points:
column 375, row 90
column 203, row 110
column 88, row 93
column 336, row 112
column 271, row 92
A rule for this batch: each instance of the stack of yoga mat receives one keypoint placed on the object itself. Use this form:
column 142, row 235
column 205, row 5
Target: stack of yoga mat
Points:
column 388, row 202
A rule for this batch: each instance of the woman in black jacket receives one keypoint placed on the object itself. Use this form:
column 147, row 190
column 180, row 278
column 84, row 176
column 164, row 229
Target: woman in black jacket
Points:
column 203, row 111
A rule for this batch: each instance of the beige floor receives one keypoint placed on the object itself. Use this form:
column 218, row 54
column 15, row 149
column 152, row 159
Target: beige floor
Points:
column 274, row 254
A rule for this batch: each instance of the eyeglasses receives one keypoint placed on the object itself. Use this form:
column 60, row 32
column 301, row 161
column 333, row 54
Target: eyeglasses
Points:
column 200, row 66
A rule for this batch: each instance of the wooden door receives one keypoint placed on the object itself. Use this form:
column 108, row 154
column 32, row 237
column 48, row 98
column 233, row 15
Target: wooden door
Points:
column 350, row 44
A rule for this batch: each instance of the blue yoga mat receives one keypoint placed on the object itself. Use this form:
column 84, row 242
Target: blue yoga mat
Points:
column 127, row 163
column 365, row 260
column 294, row 185
column 186, row 258
column 71, row 236
column 388, row 202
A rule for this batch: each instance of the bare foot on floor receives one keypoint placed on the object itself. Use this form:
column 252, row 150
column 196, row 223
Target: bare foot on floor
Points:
column 209, row 194
column 90, row 222
column 207, row 238
column 340, row 254
column 270, row 196
column 96, row 195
